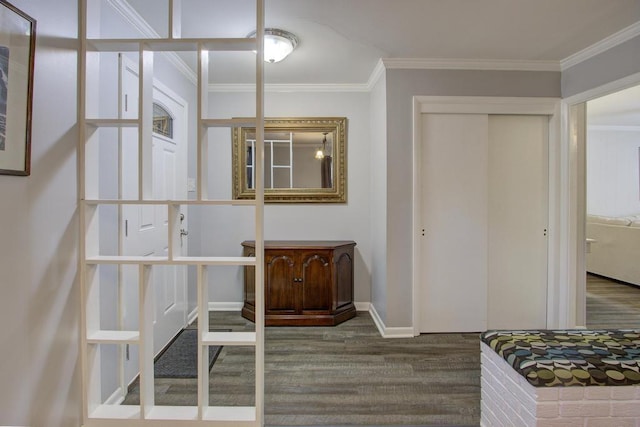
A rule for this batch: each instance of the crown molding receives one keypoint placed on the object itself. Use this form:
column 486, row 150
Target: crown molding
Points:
column 601, row 46
column 469, row 64
column 302, row 87
column 376, row 74
column 138, row 22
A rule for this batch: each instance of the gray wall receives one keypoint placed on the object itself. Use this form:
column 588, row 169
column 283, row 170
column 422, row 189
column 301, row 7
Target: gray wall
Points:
column 40, row 370
column 616, row 63
column 378, row 120
column 224, row 229
column 402, row 85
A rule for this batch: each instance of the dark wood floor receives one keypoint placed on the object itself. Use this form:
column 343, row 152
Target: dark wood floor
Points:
column 612, row 304
column 349, row 375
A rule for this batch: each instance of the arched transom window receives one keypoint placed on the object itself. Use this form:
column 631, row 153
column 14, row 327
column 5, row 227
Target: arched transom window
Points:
column 162, row 121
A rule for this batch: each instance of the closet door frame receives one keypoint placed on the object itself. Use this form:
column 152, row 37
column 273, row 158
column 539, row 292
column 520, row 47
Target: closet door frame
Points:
column 556, row 300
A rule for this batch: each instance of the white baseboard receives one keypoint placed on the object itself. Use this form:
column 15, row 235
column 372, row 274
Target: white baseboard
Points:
column 362, row 306
column 191, row 317
column 237, row 306
column 225, row 306
column 387, row 332
column 376, row 319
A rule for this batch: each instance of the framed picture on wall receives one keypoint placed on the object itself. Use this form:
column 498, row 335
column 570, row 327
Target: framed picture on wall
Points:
column 17, row 50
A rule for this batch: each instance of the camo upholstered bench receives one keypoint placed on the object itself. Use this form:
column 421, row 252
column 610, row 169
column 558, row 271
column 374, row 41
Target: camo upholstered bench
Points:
column 561, row 377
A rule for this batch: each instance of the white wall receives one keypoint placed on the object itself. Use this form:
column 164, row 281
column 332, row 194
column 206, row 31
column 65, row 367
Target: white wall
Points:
column 224, row 229
column 40, row 370
column 613, row 173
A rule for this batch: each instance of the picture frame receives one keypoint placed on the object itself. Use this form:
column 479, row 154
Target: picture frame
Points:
column 17, row 52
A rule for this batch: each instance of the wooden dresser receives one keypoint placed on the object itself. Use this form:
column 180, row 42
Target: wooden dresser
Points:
column 307, row 283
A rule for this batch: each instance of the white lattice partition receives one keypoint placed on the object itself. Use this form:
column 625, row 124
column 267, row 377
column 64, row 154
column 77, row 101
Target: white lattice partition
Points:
column 99, row 411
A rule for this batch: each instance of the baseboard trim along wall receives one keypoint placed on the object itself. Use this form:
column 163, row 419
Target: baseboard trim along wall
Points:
column 225, row 306
column 237, row 306
column 191, row 317
column 362, row 306
column 389, row 332
column 385, row 332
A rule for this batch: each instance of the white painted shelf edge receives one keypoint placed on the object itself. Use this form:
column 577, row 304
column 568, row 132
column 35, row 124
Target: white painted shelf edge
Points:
column 171, row 45
column 169, row 202
column 163, row 260
column 229, row 122
column 176, row 413
column 116, row 337
column 123, row 412
column 122, row 123
column 193, row 260
column 229, row 338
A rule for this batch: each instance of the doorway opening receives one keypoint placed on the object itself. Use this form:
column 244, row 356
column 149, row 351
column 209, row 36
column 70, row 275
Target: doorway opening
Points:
column 612, row 209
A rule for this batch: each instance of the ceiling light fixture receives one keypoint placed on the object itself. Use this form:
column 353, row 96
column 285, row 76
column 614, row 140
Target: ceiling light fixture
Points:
column 278, row 44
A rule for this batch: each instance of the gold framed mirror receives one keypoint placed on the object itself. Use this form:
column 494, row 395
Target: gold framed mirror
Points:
column 304, row 161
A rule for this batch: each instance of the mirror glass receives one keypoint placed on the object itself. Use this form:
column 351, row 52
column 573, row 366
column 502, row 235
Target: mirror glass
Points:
column 304, row 160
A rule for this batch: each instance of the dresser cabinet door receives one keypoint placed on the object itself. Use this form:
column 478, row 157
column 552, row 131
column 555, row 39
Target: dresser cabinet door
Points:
column 315, row 272
column 249, row 281
column 344, row 277
column 280, row 287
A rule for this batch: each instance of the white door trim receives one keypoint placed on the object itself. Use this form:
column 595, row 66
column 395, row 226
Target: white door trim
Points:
column 492, row 105
column 574, row 207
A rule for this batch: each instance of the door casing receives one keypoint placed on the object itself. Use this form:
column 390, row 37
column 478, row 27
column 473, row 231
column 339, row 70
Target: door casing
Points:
column 573, row 119
column 556, row 300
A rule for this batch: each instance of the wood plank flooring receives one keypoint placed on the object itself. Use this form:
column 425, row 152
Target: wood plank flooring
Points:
column 349, row 375
column 343, row 375
column 612, row 304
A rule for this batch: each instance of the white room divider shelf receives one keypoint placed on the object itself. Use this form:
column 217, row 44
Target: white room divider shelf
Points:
column 172, row 45
column 113, row 337
column 224, row 123
column 96, row 412
column 158, row 260
column 115, row 123
column 95, row 202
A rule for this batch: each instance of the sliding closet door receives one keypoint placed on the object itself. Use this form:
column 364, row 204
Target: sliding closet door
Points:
column 454, row 212
column 518, row 215
column 484, row 207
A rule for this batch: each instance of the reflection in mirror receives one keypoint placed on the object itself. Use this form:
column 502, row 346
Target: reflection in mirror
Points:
column 304, row 160
column 310, row 152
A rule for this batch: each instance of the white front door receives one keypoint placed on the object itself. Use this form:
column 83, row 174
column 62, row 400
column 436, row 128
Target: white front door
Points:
column 145, row 227
column 484, row 195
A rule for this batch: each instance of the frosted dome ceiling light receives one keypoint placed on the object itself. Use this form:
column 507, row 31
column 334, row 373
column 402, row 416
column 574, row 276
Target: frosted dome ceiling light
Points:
column 278, row 44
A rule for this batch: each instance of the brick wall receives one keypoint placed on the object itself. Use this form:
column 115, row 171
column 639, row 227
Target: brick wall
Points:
column 509, row 400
